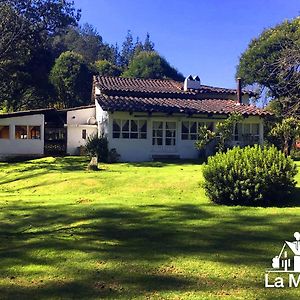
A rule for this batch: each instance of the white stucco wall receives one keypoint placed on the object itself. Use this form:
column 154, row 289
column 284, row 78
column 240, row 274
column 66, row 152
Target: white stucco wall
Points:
column 15, row 147
column 77, row 120
column 142, row 149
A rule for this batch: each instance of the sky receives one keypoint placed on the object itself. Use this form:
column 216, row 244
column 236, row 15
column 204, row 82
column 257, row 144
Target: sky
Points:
column 198, row 37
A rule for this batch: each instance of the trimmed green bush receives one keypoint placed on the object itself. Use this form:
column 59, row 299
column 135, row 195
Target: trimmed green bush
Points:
column 249, row 176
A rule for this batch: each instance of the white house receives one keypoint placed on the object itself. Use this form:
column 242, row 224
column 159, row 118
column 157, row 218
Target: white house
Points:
column 143, row 119
column 148, row 119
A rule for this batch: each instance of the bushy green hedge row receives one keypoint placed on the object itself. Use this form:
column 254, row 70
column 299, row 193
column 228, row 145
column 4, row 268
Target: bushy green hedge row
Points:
column 249, row 176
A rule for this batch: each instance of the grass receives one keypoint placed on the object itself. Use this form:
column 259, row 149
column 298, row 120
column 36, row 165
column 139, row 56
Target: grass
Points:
column 132, row 231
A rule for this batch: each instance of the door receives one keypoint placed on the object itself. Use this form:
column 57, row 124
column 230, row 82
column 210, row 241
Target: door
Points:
column 164, row 136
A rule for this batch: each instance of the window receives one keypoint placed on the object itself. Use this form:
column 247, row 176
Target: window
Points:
column 4, row 132
column 129, row 129
column 21, row 132
column 247, row 133
column 35, row 132
column 157, row 133
column 238, row 130
column 83, row 134
column 190, row 129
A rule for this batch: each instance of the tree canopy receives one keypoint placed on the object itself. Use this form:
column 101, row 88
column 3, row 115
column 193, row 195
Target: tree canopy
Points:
column 41, row 39
column 72, row 80
column 151, row 65
column 272, row 61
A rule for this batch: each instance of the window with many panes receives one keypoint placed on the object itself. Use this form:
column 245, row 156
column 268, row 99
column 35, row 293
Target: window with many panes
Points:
column 24, row 132
column 129, row 129
column 248, row 132
column 190, row 129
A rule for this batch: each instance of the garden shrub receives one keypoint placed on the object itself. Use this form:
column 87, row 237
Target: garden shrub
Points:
column 249, row 176
column 97, row 146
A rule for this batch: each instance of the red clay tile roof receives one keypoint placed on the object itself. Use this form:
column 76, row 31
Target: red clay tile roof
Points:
column 153, row 86
column 176, row 105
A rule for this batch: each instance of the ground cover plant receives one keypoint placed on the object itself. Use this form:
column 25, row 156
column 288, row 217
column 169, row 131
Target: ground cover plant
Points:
column 132, row 231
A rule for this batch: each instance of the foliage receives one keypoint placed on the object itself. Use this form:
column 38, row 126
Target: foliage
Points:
column 151, row 65
column 34, row 37
column 273, row 62
column 249, row 176
column 223, row 133
column 130, row 49
column 84, row 40
column 286, row 132
column 98, row 146
column 72, row 80
column 106, row 68
column 205, row 136
column 25, row 57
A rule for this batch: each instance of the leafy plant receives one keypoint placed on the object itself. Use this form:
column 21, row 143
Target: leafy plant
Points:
column 97, row 146
column 286, row 133
column 249, row 176
column 223, row 133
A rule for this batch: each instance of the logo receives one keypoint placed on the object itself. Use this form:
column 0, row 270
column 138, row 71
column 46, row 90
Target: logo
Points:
column 286, row 264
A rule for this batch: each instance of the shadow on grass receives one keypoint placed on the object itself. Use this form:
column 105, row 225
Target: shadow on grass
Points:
column 137, row 248
column 168, row 162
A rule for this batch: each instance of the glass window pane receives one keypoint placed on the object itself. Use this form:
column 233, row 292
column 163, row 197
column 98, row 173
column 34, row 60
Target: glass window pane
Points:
column 255, row 129
column 35, row 132
column 116, row 134
column 133, row 135
column 246, row 128
column 21, row 132
column 143, row 135
column 116, row 125
column 125, row 125
column 193, row 137
column 83, row 134
column 134, row 126
column 157, row 125
column 4, row 132
column 193, row 127
column 143, row 125
column 157, row 141
column 185, row 127
column 125, row 135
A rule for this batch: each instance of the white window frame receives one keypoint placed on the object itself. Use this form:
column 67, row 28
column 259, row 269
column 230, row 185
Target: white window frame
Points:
column 141, row 135
column 198, row 124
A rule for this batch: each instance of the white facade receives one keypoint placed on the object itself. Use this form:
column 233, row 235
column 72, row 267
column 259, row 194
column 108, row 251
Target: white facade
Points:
column 81, row 123
column 144, row 149
column 13, row 146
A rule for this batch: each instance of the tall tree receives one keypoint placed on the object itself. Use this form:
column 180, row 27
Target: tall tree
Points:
column 151, row 65
column 127, row 51
column 148, row 44
column 272, row 61
column 72, row 80
column 84, row 40
column 26, row 27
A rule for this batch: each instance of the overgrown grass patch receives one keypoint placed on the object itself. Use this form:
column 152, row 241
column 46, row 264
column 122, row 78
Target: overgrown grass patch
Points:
column 132, row 231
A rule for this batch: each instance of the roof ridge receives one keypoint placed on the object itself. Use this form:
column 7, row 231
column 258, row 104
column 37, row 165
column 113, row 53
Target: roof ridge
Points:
column 139, row 78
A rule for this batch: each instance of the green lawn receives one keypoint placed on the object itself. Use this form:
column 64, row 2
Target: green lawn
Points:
column 131, row 231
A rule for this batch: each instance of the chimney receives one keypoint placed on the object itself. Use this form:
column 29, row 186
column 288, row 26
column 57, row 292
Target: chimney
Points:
column 192, row 83
column 239, row 90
